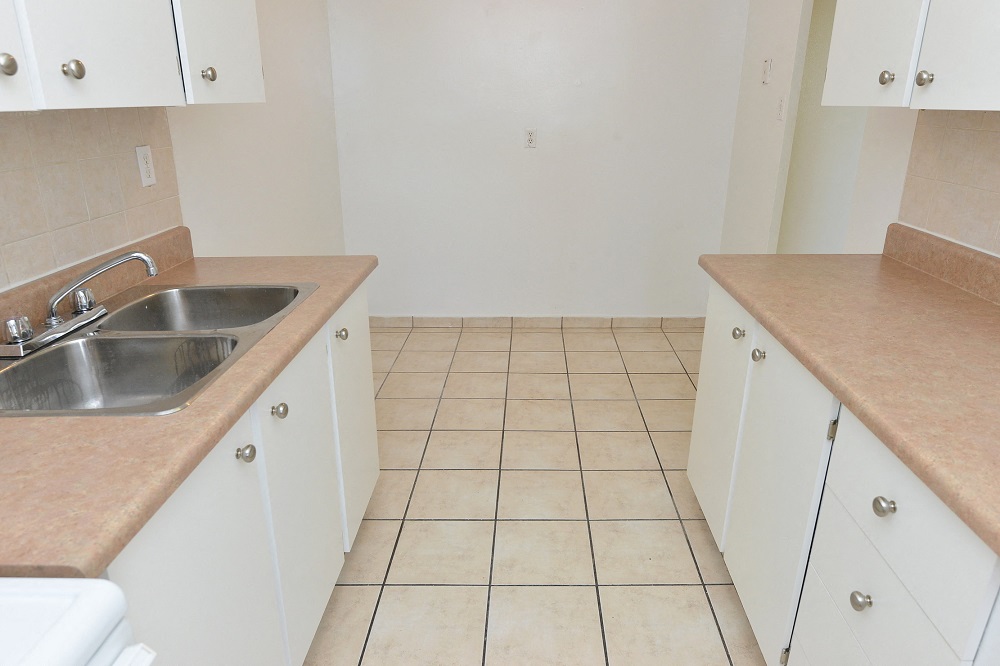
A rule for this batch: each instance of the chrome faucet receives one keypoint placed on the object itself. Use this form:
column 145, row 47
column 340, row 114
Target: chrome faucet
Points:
column 54, row 319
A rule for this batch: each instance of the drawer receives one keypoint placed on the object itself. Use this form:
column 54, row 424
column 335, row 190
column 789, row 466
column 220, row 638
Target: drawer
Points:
column 950, row 572
column 822, row 636
column 894, row 630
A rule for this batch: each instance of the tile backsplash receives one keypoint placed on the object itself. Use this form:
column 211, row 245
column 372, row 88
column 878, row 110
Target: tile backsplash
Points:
column 953, row 178
column 70, row 188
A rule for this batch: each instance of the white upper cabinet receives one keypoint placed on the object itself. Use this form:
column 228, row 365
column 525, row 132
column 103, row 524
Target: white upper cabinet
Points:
column 220, row 51
column 873, row 52
column 15, row 90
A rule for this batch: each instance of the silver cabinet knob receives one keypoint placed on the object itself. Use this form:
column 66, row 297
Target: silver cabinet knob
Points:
column 924, row 77
column 83, row 301
column 247, row 453
column 757, row 355
column 209, row 74
column 883, row 507
column 280, row 410
column 17, row 329
column 860, row 601
column 738, row 333
column 342, row 334
column 8, row 64
column 886, row 77
column 74, row 68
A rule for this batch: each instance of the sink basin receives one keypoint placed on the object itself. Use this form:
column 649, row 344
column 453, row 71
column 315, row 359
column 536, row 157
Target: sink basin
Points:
column 135, row 375
column 202, row 308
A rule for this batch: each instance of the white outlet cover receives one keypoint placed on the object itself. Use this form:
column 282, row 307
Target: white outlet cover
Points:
column 147, row 174
column 530, row 137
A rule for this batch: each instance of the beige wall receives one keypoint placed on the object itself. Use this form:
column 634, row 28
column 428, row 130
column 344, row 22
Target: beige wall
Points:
column 953, row 178
column 69, row 186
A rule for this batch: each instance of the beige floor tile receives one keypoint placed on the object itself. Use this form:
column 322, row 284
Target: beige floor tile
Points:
column 454, row 494
column 587, row 322
column 404, row 414
column 425, row 341
column 527, row 495
column 672, row 448
column 463, row 449
column 660, row 625
column 404, row 323
column 684, row 497
column 601, row 387
column 388, row 341
column 538, row 322
column 706, row 552
column 342, row 631
column 691, row 360
column 642, row 342
column 531, row 362
column 428, row 625
column 487, row 322
column 377, row 379
column 476, row 385
column 369, row 557
column 533, row 341
column 539, row 415
column 436, row 323
column 540, row 450
column 655, row 362
column 597, row 415
column 539, row 552
column 401, row 449
column 637, row 322
column 642, row 552
column 413, row 385
column 682, row 323
column 742, row 644
column 536, row 386
column 544, row 625
column 443, row 552
column 686, row 341
column 382, row 360
column 484, row 341
column 694, row 378
column 626, row 495
column 470, row 414
column 668, row 415
column 392, row 492
column 594, row 362
column 423, row 361
column 480, row 361
column 617, row 451
column 587, row 341
column 662, row 387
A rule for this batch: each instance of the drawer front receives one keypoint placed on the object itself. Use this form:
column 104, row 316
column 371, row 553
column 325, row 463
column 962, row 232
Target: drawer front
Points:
column 950, row 572
column 894, row 630
column 822, row 636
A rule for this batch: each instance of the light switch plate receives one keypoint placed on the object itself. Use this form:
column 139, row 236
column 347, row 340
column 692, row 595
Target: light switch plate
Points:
column 144, row 155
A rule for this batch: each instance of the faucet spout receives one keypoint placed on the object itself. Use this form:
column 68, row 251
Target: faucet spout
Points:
column 54, row 319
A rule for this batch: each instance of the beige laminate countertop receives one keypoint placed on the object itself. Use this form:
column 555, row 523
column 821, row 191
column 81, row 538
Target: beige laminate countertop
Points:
column 75, row 490
column 913, row 357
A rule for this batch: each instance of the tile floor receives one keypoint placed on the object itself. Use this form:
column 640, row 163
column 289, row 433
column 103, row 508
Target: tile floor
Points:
column 533, row 507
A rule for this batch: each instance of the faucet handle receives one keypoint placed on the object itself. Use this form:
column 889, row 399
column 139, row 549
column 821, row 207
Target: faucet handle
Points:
column 17, row 329
column 83, row 301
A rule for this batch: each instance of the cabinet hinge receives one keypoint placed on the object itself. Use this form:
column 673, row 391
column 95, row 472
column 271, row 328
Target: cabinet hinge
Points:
column 784, row 653
column 831, row 432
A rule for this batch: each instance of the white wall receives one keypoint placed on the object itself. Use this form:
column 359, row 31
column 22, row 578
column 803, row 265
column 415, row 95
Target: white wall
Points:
column 633, row 102
column 262, row 179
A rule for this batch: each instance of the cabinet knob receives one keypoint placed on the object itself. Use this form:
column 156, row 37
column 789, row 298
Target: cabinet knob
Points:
column 209, row 74
column 924, row 77
column 883, row 507
column 886, row 77
column 738, row 333
column 247, row 453
column 74, row 68
column 860, row 601
column 757, row 355
column 342, row 334
column 17, row 330
column 280, row 410
column 8, row 64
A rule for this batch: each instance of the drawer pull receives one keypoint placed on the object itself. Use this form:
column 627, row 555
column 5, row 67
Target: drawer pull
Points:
column 280, row 410
column 757, row 355
column 342, row 334
column 883, row 507
column 247, row 453
column 860, row 601
column 738, row 333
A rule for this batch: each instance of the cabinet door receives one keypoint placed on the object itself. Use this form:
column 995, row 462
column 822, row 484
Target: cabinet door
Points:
column 869, row 38
column 15, row 91
column 354, row 407
column 199, row 578
column 221, row 34
column 778, row 483
column 718, row 412
column 960, row 48
column 299, row 465
column 129, row 50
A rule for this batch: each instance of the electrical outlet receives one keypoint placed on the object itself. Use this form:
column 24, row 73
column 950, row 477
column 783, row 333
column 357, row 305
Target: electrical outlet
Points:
column 765, row 77
column 530, row 138
column 144, row 156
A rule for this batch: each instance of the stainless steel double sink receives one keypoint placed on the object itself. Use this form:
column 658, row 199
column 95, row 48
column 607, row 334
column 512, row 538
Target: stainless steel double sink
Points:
column 150, row 357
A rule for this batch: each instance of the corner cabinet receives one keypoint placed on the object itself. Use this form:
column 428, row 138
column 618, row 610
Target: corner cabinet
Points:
column 15, row 89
